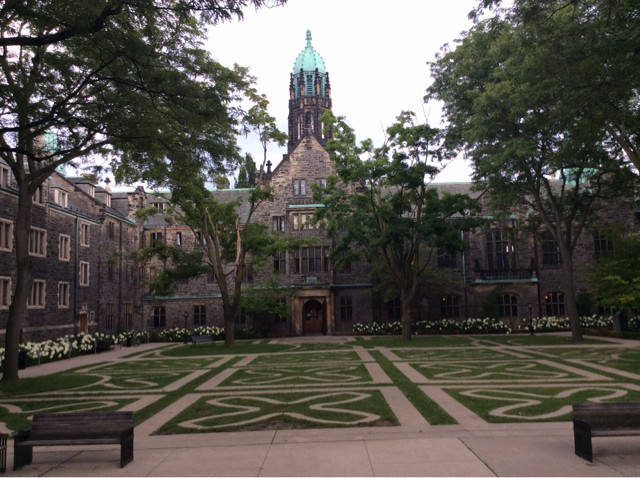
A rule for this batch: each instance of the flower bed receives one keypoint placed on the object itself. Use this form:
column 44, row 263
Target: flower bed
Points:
column 490, row 326
column 74, row 345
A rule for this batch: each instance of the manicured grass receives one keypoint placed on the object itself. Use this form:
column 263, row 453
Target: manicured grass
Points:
column 331, row 375
column 241, row 347
column 270, row 411
column 535, row 404
column 298, row 385
column 56, row 382
column 16, row 414
column 395, row 341
column 429, row 409
column 307, row 358
column 537, row 339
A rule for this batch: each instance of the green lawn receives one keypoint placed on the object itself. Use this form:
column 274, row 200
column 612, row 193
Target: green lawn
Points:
column 258, row 385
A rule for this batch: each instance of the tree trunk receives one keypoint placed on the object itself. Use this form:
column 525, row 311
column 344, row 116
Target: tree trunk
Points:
column 405, row 299
column 570, row 298
column 229, row 328
column 24, row 281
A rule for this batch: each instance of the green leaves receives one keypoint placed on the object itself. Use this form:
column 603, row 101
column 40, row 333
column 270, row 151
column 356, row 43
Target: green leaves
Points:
column 381, row 202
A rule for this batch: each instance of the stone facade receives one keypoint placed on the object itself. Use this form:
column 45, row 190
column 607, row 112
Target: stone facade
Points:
column 93, row 281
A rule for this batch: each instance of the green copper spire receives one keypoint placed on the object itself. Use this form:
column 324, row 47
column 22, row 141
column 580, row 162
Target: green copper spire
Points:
column 309, row 77
column 309, row 59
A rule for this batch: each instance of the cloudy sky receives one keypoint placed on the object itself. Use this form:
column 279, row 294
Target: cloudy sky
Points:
column 375, row 52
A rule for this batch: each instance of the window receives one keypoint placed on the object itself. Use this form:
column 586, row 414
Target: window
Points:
column 199, row 315
column 155, row 239
column 38, row 196
column 299, row 187
column 501, row 253
column 178, row 238
column 280, row 263
column 159, row 205
column 128, row 315
column 84, row 234
column 6, row 235
column 37, row 295
column 5, row 174
column 60, row 197
column 211, row 277
column 111, row 229
column 311, row 259
column 321, row 182
column 278, row 223
column 446, row 259
column 508, row 305
column 37, row 242
column 63, row 295
column 450, row 307
column 247, row 273
column 394, row 309
column 303, row 221
column 550, row 251
column 110, row 316
column 5, row 292
column 64, row 247
column 346, row 309
column 84, row 274
column 159, row 316
column 554, row 304
column 602, row 245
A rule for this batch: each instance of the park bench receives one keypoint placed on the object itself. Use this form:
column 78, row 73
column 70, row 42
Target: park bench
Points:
column 594, row 419
column 198, row 339
column 83, row 428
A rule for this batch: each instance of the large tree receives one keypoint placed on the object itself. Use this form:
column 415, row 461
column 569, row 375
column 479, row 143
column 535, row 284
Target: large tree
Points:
column 128, row 79
column 230, row 243
column 381, row 203
column 517, row 95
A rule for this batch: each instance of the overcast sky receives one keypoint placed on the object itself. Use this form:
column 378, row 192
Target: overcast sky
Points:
column 375, row 52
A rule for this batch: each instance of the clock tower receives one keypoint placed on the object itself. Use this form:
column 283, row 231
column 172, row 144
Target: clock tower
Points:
column 309, row 96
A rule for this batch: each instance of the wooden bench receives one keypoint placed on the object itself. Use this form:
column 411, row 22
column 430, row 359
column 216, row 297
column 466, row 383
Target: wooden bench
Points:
column 198, row 339
column 594, row 419
column 84, row 428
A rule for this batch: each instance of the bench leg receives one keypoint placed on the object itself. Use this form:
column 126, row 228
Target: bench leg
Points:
column 582, row 440
column 126, row 450
column 22, row 455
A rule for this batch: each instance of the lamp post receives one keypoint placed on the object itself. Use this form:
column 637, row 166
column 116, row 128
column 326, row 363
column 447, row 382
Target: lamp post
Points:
column 185, row 315
column 530, row 319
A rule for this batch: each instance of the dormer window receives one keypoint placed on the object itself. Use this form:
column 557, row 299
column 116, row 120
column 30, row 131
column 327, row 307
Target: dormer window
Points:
column 60, row 197
column 4, row 176
column 38, row 196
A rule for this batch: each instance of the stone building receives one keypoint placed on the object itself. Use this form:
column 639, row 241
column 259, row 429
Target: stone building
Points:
column 84, row 238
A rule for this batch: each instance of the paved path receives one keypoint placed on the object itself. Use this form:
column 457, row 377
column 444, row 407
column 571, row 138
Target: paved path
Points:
column 472, row 447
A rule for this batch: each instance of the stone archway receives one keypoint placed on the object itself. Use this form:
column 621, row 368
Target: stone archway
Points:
column 314, row 317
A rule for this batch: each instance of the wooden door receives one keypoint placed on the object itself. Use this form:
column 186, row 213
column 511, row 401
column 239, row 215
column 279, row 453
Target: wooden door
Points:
column 313, row 317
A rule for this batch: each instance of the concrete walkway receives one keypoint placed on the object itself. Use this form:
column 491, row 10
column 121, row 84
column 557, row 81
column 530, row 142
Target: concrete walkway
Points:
column 473, row 447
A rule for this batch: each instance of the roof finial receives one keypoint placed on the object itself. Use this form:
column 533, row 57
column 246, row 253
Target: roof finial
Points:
column 309, row 36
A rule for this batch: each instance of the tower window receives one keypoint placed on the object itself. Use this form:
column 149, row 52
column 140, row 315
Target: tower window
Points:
column 309, row 85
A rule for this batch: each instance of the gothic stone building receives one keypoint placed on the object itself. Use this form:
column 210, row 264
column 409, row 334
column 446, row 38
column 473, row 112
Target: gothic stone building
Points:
column 86, row 278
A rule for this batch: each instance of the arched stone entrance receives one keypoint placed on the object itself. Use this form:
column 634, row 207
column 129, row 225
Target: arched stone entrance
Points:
column 314, row 315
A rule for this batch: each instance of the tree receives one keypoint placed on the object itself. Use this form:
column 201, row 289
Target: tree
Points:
column 594, row 44
column 231, row 244
column 514, row 103
column 615, row 277
column 384, row 206
column 124, row 79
